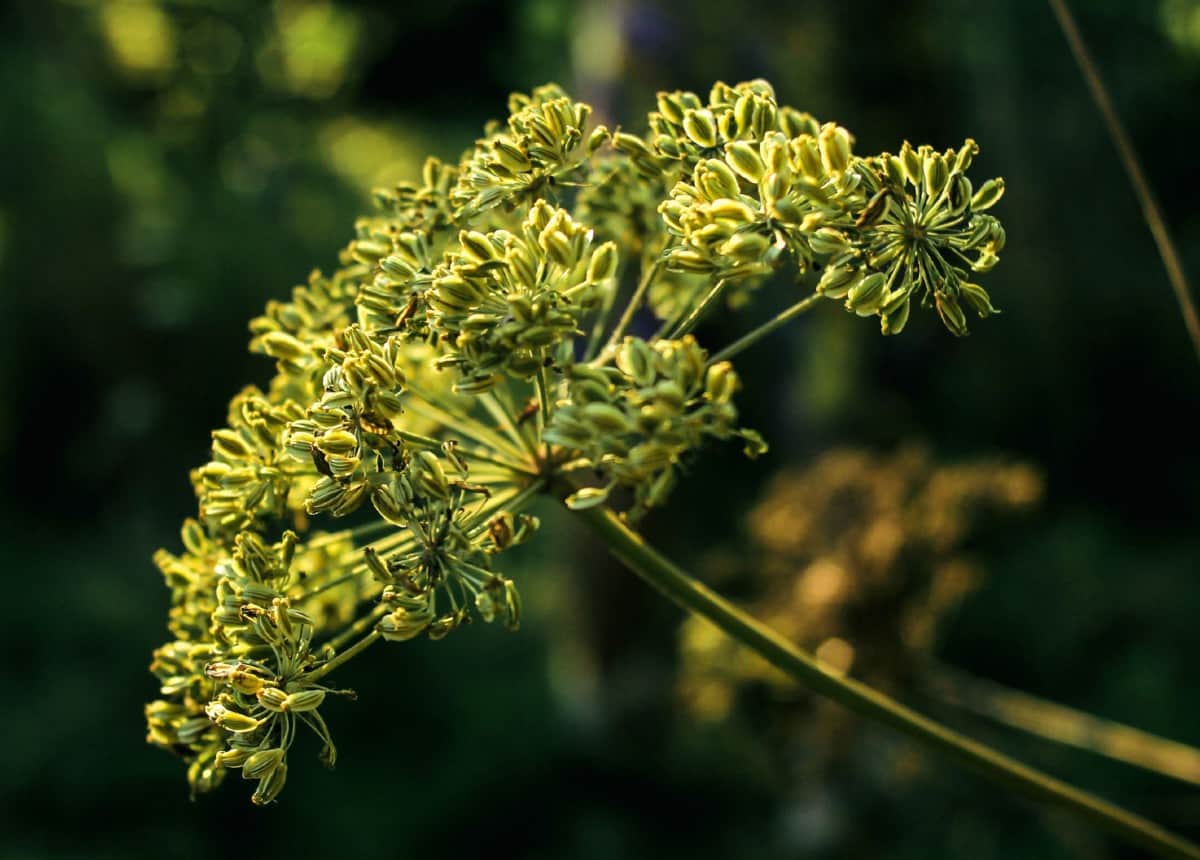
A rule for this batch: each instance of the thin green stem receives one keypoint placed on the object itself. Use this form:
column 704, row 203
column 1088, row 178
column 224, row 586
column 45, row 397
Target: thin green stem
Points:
column 321, row 540
column 695, row 597
column 474, row 453
column 358, row 627
column 349, row 654
column 504, row 418
column 1133, row 167
column 777, row 321
column 465, row 425
column 635, row 302
column 599, row 324
column 710, row 298
column 543, row 395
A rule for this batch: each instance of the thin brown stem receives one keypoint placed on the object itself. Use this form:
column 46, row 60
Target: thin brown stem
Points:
column 1133, row 167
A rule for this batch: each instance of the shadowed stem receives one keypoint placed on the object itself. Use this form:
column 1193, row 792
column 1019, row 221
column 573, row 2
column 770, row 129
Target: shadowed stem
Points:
column 695, row 597
column 1064, row 725
column 1129, row 159
column 779, row 320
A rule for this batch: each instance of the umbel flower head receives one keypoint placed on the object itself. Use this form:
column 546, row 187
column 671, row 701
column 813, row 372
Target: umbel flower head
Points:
column 473, row 352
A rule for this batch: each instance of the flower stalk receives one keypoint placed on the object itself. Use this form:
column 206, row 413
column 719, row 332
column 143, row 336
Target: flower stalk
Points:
column 694, row 597
column 443, row 377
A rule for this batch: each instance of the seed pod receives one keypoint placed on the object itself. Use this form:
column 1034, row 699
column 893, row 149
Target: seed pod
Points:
column 649, row 457
column 827, row 241
column 745, row 111
column 636, row 360
column 936, row 174
column 911, row 160
column 865, row 297
column 230, row 445
column 337, row 442
column 700, row 126
column 633, row 145
column 808, row 155
column 721, row 382
column 389, row 506
column 605, row 417
column 951, row 314
column 430, row 477
column 717, row 179
column 893, row 169
column 304, row 700
column 732, row 210
column 272, row 698
column 977, row 297
column 406, row 622
column 745, row 246
column 396, row 267
column 512, row 605
column 744, row 158
column 597, row 138
column 376, row 564
column 893, row 320
column 588, row 497
column 231, row 758
column 229, row 720
column 965, row 155
column 192, row 534
column 684, row 260
column 603, row 264
column 270, row 786
column 262, row 763
column 485, row 606
column 283, row 346
column 834, row 143
column 670, row 108
column 786, row 210
column 836, row 281
column 988, row 195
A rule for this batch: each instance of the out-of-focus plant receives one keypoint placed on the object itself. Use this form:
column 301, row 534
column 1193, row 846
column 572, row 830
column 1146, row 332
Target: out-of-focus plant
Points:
column 472, row 353
column 857, row 557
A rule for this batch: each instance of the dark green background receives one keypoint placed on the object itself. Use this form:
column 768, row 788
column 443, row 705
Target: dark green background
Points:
column 149, row 207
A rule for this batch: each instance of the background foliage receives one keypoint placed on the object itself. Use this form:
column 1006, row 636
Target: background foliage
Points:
column 169, row 166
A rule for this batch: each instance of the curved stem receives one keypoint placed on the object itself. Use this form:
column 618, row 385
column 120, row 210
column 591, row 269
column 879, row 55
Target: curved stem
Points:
column 695, row 597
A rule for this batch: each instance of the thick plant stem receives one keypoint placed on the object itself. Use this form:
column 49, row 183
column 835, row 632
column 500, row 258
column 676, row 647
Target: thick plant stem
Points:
column 695, row 597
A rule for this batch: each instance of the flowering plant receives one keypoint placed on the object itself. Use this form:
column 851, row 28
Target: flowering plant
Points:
column 473, row 352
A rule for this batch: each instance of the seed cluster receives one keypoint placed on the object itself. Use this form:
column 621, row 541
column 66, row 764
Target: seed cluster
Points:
column 471, row 353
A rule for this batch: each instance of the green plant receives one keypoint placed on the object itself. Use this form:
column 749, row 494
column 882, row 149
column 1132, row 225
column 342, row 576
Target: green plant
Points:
column 473, row 353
